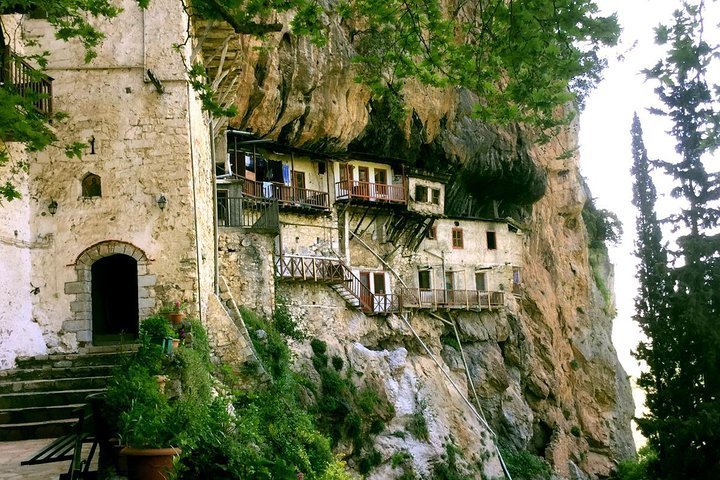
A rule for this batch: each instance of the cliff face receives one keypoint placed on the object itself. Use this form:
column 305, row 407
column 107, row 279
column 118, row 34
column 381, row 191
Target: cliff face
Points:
column 546, row 372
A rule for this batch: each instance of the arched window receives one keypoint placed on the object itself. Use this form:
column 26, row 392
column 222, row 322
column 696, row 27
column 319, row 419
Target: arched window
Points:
column 91, row 186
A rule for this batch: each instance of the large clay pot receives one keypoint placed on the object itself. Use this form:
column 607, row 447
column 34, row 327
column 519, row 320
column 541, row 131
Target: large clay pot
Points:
column 176, row 318
column 149, row 463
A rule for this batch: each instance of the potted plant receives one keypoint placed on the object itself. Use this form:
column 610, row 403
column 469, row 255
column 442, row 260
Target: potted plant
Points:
column 138, row 411
column 156, row 329
column 174, row 312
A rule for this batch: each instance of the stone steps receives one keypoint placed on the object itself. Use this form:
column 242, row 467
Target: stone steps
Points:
column 42, row 396
column 54, row 384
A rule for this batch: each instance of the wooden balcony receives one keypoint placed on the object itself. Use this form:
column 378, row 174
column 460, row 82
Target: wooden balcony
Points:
column 18, row 77
column 317, row 269
column 249, row 213
column 287, row 196
column 372, row 192
column 450, row 299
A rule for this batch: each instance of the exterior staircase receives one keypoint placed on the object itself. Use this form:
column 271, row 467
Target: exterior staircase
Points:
column 41, row 396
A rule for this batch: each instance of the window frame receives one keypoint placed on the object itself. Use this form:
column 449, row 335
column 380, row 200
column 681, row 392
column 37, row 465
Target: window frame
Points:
column 421, row 193
column 458, row 239
column 491, row 240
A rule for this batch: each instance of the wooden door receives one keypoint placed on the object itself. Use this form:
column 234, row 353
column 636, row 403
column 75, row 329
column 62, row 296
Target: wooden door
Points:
column 363, row 182
column 366, row 298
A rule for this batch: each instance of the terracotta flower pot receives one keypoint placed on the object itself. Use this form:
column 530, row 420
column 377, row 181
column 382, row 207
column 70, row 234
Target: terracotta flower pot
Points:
column 176, row 343
column 176, row 318
column 149, row 463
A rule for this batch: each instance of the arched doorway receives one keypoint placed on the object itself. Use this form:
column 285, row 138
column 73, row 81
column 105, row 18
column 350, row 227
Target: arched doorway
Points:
column 114, row 294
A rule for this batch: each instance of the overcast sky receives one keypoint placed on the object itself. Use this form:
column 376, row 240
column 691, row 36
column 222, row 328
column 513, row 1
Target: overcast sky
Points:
column 605, row 145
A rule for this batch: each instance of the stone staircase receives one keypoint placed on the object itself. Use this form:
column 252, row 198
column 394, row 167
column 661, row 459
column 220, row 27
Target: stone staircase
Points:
column 40, row 397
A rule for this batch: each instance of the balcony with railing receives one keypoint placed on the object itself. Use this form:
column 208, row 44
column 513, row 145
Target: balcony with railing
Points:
column 286, row 195
column 369, row 191
column 248, row 213
column 434, row 299
column 317, row 269
column 18, row 77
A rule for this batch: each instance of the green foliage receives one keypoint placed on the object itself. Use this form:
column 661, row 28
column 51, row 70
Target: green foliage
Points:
column 523, row 465
column 273, row 350
column 283, row 320
column 575, row 430
column 347, row 413
column 449, row 469
column 637, row 469
column 519, row 57
column 417, row 423
column 199, row 80
column 602, row 226
column 154, row 327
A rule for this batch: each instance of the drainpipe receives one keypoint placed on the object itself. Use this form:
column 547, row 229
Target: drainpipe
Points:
column 198, row 256
column 216, row 230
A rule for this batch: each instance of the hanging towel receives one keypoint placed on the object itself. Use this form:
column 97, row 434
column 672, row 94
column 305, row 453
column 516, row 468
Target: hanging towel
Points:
column 286, row 174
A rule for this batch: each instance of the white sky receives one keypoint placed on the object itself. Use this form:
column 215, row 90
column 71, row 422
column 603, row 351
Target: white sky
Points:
column 605, row 148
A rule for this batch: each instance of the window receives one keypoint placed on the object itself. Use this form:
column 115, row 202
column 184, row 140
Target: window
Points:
column 299, row 180
column 345, row 173
column 381, row 176
column 424, row 279
column 481, row 281
column 381, row 182
column 457, row 238
column 516, row 280
column 421, row 193
column 91, row 186
column 491, row 240
column 322, row 168
column 449, row 280
column 436, row 196
column 363, row 174
column 379, row 283
column 431, row 233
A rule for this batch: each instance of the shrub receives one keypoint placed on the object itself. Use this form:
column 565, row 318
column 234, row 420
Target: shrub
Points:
column 523, row 465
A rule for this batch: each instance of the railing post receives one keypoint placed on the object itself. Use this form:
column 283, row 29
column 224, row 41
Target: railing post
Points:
column 314, row 267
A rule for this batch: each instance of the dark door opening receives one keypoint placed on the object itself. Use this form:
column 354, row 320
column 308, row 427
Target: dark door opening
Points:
column 114, row 300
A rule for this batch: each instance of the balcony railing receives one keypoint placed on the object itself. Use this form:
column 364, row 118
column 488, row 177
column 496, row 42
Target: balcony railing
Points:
column 318, row 269
column 19, row 77
column 376, row 192
column 287, row 195
column 250, row 213
column 455, row 299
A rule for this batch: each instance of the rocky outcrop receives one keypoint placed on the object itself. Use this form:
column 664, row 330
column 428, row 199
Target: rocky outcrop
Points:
column 546, row 373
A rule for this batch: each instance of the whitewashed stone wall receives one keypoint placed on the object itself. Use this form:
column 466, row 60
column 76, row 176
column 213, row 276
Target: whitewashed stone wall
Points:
column 148, row 140
column 19, row 333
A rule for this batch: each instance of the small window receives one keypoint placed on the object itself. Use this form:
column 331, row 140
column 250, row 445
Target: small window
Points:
column 91, row 186
column 491, row 240
column 424, row 279
column 380, row 176
column 436, row 196
column 322, row 168
column 421, row 193
column 379, row 283
column 431, row 233
column 481, row 281
column 457, row 238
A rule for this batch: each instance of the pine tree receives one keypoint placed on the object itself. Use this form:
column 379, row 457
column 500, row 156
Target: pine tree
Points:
column 679, row 309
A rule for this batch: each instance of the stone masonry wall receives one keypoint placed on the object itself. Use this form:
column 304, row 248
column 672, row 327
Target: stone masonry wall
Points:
column 142, row 149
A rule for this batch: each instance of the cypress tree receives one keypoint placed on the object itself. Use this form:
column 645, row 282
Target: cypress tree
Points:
column 678, row 307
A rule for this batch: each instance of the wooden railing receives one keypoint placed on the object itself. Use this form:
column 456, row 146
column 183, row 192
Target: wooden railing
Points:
column 334, row 270
column 248, row 213
column 380, row 192
column 318, row 269
column 439, row 298
column 19, row 77
column 287, row 195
